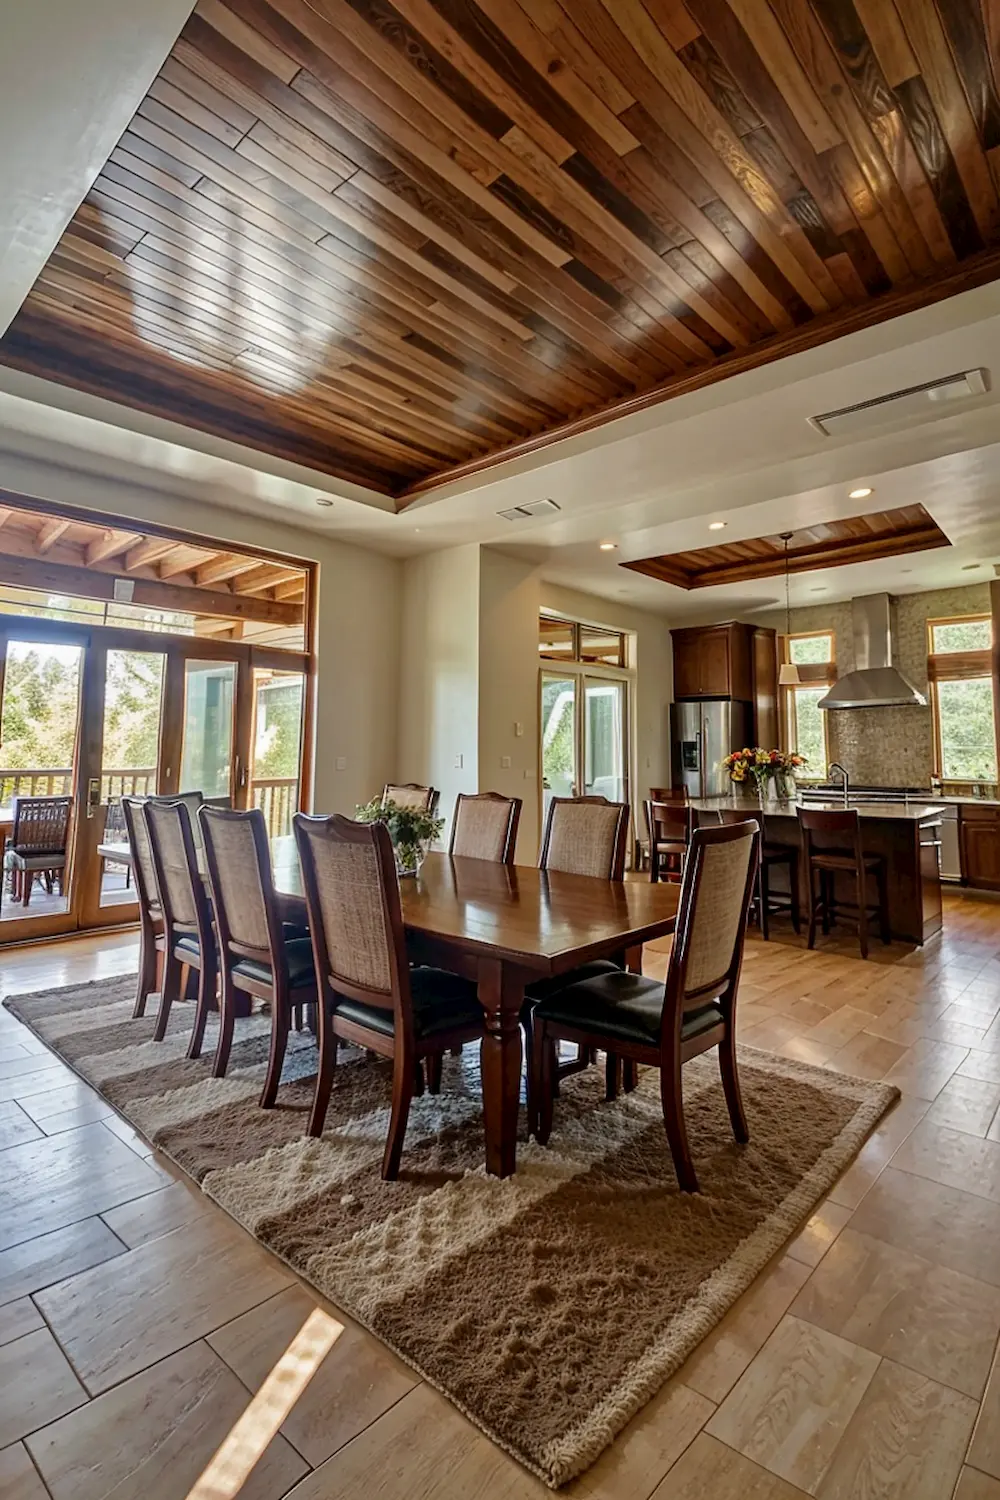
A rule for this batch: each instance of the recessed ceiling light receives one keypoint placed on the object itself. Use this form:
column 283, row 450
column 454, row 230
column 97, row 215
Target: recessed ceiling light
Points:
column 906, row 570
column 609, row 546
column 716, row 525
column 861, row 494
column 821, row 590
column 321, row 500
column 970, row 567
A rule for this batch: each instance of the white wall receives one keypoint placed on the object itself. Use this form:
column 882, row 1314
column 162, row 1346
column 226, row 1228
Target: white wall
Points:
column 358, row 618
column 508, row 688
column 439, row 674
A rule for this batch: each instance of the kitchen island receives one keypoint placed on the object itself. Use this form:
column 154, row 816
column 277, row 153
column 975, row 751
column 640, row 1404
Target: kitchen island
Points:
column 907, row 835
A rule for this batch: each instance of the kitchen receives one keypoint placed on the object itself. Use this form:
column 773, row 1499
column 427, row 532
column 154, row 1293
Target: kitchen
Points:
column 891, row 701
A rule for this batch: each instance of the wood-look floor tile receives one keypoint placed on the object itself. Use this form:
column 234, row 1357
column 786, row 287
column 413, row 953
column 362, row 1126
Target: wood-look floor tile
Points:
column 905, row 1441
column 29, row 1064
column 926, row 1068
column 972, row 1485
column 966, row 1104
column 18, row 1476
column 982, row 1065
column 921, row 1315
column 52, row 1076
column 422, row 1449
column 152, row 1437
column 943, row 1224
column 641, row 1455
column 952, row 1156
column 127, row 1133
column 37, row 1263
column 719, row 1361
column 815, row 1238
column 158, row 1213
column 878, row 1151
column 985, row 1450
column 54, row 1181
column 357, row 1381
column 72, row 1098
column 791, row 1407
column 120, row 1318
column 15, row 1126
column 18, row 1318
column 866, row 1056
column 37, row 1385
column 709, row 1470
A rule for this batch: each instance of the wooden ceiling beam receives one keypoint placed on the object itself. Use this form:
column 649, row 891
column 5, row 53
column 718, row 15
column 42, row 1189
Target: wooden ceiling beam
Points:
column 50, row 533
column 5, row 514
column 177, row 560
column 108, row 544
column 148, row 551
column 226, row 565
column 83, row 582
column 266, row 576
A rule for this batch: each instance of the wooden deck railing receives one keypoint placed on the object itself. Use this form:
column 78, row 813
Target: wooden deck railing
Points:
column 278, row 799
column 34, row 782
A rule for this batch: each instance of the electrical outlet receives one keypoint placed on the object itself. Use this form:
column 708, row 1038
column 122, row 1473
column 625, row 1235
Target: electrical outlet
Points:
column 505, row 762
column 459, row 762
column 341, row 762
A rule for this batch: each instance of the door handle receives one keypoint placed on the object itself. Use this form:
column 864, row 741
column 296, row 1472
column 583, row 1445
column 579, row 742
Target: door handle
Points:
column 93, row 795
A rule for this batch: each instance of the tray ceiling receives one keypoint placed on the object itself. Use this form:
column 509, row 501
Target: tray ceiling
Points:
column 392, row 242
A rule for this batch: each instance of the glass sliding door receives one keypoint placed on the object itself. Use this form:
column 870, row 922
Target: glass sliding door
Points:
column 207, row 753
column 276, row 746
column 559, row 738
column 605, row 748
column 130, row 752
column 39, row 737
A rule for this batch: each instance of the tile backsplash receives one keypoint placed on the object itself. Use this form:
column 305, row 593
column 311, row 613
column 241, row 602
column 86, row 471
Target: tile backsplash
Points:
column 887, row 746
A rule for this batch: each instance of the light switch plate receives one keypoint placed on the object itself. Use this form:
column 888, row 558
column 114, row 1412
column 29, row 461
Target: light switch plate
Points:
column 505, row 762
column 518, row 729
column 459, row 761
column 341, row 762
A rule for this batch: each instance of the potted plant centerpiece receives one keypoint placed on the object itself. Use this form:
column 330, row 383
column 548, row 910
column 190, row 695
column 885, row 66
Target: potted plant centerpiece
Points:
column 411, row 829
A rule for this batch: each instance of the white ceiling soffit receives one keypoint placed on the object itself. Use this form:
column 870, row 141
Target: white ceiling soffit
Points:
column 72, row 73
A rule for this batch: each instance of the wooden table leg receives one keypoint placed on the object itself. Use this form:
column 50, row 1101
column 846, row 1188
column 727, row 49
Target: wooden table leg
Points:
column 501, row 994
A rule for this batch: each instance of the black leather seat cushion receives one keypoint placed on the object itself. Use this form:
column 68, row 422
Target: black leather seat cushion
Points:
column 622, row 1007
column 299, row 957
column 188, row 948
column 543, row 989
column 441, row 1002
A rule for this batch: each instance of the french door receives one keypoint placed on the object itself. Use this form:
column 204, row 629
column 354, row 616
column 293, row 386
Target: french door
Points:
column 584, row 736
column 89, row 715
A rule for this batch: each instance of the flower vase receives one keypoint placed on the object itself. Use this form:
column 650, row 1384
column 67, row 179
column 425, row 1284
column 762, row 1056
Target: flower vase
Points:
column 409, row 857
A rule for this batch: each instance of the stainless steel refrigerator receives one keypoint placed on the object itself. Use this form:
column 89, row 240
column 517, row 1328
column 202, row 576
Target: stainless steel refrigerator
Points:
column 702, row 732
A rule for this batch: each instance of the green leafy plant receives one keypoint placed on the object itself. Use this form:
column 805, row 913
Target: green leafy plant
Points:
column 411, row 830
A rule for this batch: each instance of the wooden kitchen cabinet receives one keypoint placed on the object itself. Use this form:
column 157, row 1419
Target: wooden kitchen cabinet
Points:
column 764, row 661
column 979, row 845
column 713, row 662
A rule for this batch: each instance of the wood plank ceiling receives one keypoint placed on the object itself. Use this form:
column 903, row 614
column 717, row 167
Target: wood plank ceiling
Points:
column 829, row 544
column 392, row 240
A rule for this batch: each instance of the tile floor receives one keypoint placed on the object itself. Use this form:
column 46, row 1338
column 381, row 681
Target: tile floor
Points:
column 149, row 1348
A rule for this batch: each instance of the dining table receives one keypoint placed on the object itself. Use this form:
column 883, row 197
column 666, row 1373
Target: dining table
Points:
column 503, row 927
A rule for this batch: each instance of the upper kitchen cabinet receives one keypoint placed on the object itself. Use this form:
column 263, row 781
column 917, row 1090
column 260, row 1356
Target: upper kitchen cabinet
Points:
column 714, row 662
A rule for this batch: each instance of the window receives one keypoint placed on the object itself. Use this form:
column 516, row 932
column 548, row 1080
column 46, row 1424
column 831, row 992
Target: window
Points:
column 961, row 688
column 805, row 721
column 565, row 640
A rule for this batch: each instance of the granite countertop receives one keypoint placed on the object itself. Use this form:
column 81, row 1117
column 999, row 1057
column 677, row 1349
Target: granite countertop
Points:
column 894, row 812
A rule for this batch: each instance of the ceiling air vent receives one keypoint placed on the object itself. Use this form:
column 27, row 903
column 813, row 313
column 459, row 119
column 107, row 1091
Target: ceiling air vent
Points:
column 525, row 512
column 915, row 401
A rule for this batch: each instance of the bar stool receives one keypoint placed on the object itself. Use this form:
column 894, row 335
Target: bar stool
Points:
column 838, row 851
column 771, row 856
column 668, row 825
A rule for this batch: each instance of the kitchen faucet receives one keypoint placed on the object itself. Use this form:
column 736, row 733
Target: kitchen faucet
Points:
column 836, row 766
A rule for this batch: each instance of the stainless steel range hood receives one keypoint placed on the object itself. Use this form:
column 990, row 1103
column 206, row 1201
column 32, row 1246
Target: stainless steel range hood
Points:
column 875, row 682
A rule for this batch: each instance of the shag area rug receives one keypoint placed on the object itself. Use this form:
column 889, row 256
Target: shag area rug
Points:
column 548, row 1307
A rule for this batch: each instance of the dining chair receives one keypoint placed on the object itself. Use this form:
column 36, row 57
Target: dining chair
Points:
column 485, row 827
column 368, row 993
column 664, row 1025
column 115, row 832
column 38, row 843
column 411, row 795
column 148, row 897
column 188, row 937
column 831, row 846
column 255, row 957
column 772, row 857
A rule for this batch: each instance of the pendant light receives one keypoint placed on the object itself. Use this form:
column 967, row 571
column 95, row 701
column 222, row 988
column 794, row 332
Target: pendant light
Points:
column 788, row 676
